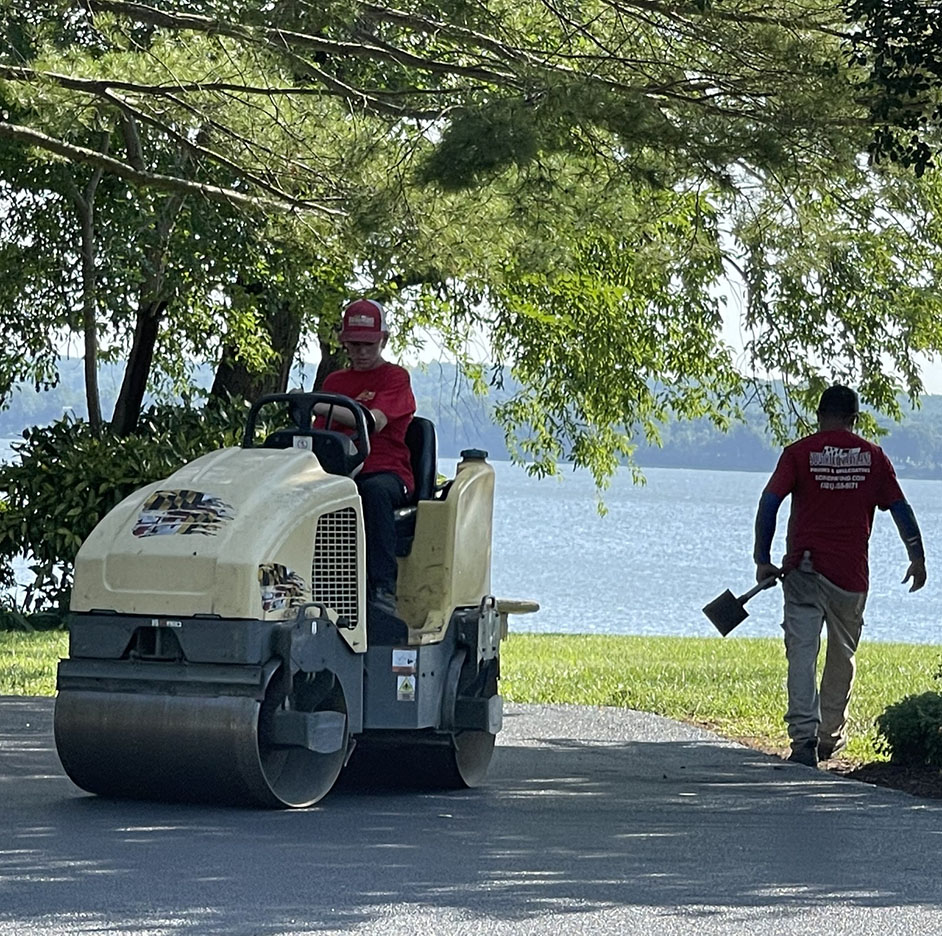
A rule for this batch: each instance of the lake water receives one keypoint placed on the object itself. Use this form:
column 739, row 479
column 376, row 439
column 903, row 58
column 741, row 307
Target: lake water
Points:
column 665, row 549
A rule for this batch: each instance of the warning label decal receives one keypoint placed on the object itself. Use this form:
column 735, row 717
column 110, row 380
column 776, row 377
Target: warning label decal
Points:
column 403, row 661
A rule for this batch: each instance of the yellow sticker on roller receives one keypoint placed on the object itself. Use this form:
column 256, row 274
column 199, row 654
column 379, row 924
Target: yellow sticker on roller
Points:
column 405, row 688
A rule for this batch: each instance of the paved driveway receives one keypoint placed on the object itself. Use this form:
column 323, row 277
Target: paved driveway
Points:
column 593, row 821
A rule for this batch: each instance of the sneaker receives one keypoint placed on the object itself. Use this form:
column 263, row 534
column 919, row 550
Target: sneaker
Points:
column 385, row 601
column 827, row 749
column 804, row 752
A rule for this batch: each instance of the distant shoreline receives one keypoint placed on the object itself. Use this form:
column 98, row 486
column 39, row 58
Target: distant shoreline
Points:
column 464, row 420
column 903, row 471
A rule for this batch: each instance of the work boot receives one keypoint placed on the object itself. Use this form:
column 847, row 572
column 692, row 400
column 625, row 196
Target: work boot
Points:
column 385, row 601
column 827, row 749
column 383, row 622
column 805, row 752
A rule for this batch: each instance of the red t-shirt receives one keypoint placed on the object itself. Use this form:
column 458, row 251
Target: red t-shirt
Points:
column 386, row 388
column 835, row 479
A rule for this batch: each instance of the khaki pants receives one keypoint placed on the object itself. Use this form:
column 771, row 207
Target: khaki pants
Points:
column 810, row 601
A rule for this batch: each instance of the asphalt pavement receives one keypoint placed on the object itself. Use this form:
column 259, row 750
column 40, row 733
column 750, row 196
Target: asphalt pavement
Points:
column 592, row 821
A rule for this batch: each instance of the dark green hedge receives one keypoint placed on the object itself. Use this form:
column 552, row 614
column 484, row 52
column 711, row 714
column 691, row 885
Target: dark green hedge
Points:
column 66, row 478
column 911, row 730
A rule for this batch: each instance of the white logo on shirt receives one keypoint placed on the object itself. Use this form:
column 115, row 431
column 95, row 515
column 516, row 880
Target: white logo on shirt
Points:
column 833, row 457
column 839, row 469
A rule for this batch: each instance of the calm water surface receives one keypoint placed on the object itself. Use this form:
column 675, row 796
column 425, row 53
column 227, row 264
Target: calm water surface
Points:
column 665, row 549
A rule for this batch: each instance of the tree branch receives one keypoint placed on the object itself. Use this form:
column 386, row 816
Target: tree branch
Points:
column 374, row 100
column 81, row 154
column 283, row 39
column 192, row 146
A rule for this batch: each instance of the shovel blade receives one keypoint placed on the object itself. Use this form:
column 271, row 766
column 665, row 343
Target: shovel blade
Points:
column 726, row 612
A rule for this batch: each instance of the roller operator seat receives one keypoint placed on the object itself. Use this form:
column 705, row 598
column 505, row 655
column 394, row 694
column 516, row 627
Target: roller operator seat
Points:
column 423, row 452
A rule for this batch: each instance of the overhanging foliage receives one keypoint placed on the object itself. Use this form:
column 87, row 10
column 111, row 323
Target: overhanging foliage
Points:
column 574, row 183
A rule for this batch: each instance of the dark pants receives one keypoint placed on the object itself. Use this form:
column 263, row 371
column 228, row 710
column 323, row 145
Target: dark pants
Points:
column 381, row 494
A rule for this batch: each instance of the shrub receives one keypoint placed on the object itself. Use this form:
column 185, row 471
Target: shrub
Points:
column 910, row 731
column 12, row 619
column 65, row 479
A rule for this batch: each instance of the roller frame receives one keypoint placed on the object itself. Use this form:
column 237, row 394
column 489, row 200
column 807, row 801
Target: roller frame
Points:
column 197, row 671
column 217, row 704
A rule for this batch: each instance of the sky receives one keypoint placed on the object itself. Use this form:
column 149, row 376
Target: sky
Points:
column 734, row 336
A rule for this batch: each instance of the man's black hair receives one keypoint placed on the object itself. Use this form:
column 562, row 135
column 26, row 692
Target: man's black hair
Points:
column 838, row 401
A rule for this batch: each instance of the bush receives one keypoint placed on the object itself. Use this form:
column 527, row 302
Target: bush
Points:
column 910, row 731
column 12, row 619
column 65, row 479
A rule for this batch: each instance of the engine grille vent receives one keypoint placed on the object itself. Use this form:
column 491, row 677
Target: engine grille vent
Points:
column 334, row 573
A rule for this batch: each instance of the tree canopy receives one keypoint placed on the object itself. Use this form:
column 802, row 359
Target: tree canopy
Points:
column 570, row 183
column 899, row 44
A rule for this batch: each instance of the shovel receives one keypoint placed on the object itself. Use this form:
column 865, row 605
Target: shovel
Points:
column 728, row 611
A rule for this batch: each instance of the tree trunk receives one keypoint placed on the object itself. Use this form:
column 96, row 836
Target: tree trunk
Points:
column 282, row 325
column 150, row 312
column 127, row 408
column 90, row 314
column 331, row 359
column 85, row 208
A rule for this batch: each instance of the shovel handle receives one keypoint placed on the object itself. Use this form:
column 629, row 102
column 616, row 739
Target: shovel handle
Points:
column 761, row 586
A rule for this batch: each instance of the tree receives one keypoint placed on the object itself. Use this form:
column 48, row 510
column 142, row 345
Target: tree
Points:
column 899, row 43
column 166, row 254
column 572, row 182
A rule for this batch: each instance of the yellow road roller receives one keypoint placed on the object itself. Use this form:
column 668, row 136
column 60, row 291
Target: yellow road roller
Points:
column 221, row 646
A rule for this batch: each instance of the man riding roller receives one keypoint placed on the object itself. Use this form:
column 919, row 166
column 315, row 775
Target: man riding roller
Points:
column 385, row 480
column 835, row 479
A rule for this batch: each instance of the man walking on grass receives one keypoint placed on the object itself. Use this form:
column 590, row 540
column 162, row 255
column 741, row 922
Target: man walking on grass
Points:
column 835, row 479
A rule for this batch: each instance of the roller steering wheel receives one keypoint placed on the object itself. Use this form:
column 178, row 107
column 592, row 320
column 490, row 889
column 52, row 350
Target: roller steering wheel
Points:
column 301, row 413
column 368, row 418
column 364, row 423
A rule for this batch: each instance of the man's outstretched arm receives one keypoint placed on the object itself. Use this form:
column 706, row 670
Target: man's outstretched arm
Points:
column 905, row 519
column 765, row 530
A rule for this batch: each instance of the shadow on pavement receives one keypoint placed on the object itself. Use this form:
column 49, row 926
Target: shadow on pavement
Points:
column 563, row 826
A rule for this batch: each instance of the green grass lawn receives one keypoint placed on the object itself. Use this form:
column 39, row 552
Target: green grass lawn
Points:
column 28, row 661
column 734, row 685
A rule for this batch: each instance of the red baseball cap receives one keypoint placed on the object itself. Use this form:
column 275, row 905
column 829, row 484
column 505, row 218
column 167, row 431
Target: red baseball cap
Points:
column 364, row 320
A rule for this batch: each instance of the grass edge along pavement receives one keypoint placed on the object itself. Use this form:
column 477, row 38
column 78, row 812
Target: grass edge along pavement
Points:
column 734, row 686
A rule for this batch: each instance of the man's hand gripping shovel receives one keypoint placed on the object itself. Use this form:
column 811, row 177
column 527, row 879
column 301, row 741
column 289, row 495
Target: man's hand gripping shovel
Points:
column 727, row 611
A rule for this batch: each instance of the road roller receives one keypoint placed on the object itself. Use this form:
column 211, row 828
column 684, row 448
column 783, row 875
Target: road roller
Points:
column 222, row 647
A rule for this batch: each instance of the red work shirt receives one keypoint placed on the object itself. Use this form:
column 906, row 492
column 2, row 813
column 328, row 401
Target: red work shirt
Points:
column 386, row 388
column 835, row 480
